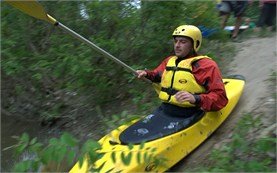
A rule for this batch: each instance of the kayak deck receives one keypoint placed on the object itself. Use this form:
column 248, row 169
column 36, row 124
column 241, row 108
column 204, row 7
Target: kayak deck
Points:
column 157, row 126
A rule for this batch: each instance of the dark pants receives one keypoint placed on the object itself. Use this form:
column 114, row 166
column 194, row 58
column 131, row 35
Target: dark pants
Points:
column 268, row 15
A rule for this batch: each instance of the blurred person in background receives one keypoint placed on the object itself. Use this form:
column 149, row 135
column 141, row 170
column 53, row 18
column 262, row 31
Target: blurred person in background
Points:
column 267, row 15
column 226, row 8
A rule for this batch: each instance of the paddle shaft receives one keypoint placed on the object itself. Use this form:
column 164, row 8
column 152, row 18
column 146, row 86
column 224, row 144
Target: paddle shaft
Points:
column 98, row 49
column 95, row 47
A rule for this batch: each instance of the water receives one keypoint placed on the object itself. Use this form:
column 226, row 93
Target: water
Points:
column 86, row 127
column 13, row 126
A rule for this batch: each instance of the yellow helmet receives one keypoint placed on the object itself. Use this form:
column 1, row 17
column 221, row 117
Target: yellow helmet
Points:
column 192, row 32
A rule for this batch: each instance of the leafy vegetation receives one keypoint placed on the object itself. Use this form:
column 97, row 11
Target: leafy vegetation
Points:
column 58, row 155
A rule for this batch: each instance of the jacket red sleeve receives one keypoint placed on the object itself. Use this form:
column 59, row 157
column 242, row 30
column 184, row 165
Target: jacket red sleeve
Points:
column 207, row 74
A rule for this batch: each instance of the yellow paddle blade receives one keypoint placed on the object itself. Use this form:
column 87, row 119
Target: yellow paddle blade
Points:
column 32, row 8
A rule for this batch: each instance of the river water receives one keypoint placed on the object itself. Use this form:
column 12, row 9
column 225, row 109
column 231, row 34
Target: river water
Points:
column 13, row 126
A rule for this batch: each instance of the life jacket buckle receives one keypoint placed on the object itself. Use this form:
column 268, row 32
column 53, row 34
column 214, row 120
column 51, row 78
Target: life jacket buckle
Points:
column 173, row 68
column 169, row 91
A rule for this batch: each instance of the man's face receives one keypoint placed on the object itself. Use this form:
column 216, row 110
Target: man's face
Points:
column 182, row 46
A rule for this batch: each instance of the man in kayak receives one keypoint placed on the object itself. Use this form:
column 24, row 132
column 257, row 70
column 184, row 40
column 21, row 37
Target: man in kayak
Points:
column 189, row 82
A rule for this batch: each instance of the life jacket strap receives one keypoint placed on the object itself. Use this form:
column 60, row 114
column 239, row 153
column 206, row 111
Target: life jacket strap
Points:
column 173, row 68
column 169, row 91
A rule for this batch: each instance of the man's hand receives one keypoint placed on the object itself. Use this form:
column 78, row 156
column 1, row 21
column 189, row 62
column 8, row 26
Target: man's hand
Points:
column 183, row 96
column 141, row 73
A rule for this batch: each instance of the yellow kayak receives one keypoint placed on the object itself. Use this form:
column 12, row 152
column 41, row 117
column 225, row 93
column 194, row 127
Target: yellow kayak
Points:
column 162, row 147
